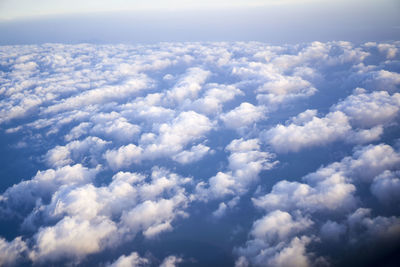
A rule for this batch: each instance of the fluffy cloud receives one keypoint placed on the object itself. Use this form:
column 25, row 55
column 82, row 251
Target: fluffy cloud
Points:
column 244, row 115
column 273, row 243
column 359, row 118
column 386, row 187
column 199, row 111
column 329, row 190
column 194, row 154
column 90, row 148
column 171, row 261
column 71, row 237
column 214, row 98
column 316, row 131
column 189, row 85
column 368, row 110
column 22, row 196
column 131, row 260
column 246, row 161
column 12, row 252
column 172, row 138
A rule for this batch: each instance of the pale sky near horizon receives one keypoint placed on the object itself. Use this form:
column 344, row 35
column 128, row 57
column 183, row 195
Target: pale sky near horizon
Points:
column 273, row 21
column 17, row 9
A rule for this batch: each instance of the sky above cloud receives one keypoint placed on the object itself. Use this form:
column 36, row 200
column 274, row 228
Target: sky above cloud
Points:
column 199, row 154
column 271, row 21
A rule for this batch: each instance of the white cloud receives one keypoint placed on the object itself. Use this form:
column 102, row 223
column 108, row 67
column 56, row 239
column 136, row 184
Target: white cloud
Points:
column 384, row 80
column 43, row 185
column 71, row 238
column 280, row 89
column 189, row 85
column 102, row 95
column 91, row 148
column 132, row 106
column 214, row 98
column 278, row 225
column 329, row 190
column 331, row 194
column 194, row 154
column 12, row 252
column 124, row 156
column 171, row 261
column 274, row 241
column 318, row 131
column 243, row 115
column 246, row 161
column 368, row 110
column 389, row 49
column 172, row 138
column 132, row 260
column 153, row 217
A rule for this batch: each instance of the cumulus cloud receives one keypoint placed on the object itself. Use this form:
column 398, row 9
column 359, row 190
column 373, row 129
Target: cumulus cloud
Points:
column 171, row 139
column 360, row 118
column 368, row 110
column 171, row 261
column 273, row 243
column 246, row 161
column 243, row 115
column 192, row 126
column 23, row 196
column 132, row 260
column 386, row 187
column 194, row 154
column 11, row 253
column 71, row 238
column 189, row 85
column 90, row 148
column 329, row 190
column 317, row 131
column 214, row 98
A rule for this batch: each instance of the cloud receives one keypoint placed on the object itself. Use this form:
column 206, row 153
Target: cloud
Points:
column 214, row 98
column 172, row 138
column 246, row 161
column 317, row 131
column 280, row 89
column 359, row 118
column 194, row 154
column 124, row 156
column 195, row 128
column 90, row 148
column 22, row 196
column 171, row 261
column 132, row 260
column 385, row 187
column 71, row 238
column 332, row 230
column 189, row 85
column 12, row 252
column 273, row 244
column 243, row 115
column 369, row 110
column 103, row 95
column 329, row 192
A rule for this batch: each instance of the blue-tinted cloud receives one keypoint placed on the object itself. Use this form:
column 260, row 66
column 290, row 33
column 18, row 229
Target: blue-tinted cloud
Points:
column 129, row 143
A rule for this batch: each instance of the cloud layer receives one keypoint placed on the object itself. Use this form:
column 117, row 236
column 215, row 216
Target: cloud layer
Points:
column 129, row 143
